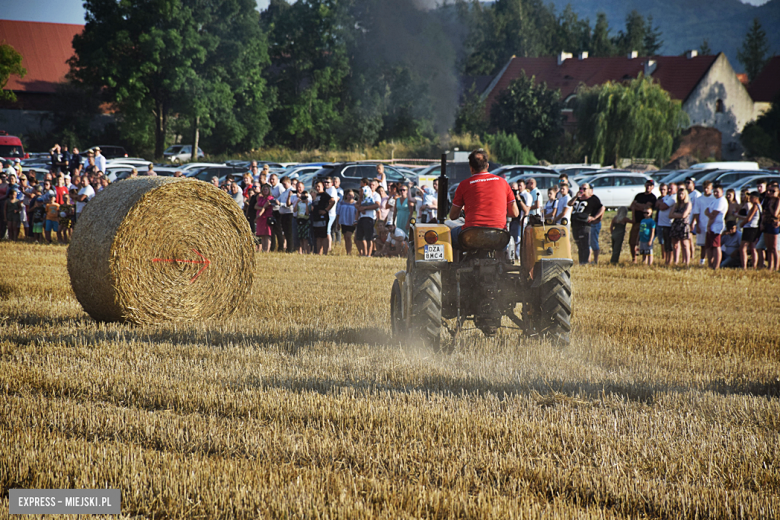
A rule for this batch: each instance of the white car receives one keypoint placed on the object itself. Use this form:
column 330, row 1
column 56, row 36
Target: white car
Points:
column 751, row 183
column 619, row 189
column 199, row 165
column 179, row 153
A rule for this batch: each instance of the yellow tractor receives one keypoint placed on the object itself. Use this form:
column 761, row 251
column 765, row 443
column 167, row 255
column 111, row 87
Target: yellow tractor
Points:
column 476, row 280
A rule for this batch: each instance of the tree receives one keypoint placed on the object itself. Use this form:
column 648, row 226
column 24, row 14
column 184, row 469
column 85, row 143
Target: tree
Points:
column 652, row 41
column 761, row 138
column 147, row 56
column 705, row 49
column 633, row 119
column 601, row 44
column 530, row 111
column 506, row 149
column 633, row 38
column 10, row 63
column 571, row 34
column 752, row 54
column 471, row 117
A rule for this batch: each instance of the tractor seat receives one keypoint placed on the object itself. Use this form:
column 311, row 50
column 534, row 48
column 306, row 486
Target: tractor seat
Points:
column 489, row 239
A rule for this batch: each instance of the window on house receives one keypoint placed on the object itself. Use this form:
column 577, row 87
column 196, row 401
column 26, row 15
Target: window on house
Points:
column 719, row 106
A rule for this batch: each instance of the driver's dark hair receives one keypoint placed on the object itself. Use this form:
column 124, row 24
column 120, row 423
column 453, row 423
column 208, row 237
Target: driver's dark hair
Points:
column 478, row 159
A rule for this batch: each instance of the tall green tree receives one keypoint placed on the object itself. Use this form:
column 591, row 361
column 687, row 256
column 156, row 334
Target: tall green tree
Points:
column 704, row 48
column 148, row 55
column 753, row 52
column 601, row 43
column 571, row 34
column 10, row 63
column 633, row 37
column 633, row 119
column 471, row 117
column 532, row 112
column 308, row 49
column 652, row 41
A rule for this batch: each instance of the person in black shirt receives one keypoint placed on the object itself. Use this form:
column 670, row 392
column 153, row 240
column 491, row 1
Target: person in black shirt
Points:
column 587, row 208
column 638, row 206
column 319, row 217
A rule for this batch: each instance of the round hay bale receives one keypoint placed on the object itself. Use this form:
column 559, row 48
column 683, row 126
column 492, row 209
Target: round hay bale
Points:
column 157, row 249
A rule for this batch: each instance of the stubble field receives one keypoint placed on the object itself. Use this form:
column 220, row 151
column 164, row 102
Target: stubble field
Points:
column 665, row 405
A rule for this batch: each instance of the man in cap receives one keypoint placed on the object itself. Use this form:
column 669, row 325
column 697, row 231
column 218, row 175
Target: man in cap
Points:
column 100, row 160
column 643, row 201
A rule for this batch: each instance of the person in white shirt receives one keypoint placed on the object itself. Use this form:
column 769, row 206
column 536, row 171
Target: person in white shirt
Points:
column 380, row 175
column 536, row 195
column 664, row 206
column 100, row 160
column 716, row 218
column 693, row 194
column 364, row 235
column 334, row 194
column 286, row 202
column 86, row 193
column 700, row 205
column 563, row 209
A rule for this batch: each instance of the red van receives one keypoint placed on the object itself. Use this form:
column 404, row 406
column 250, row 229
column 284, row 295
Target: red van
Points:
column 11, row 147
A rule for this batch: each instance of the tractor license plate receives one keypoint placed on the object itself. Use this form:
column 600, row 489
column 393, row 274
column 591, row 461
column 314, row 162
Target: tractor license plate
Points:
column 434, row 252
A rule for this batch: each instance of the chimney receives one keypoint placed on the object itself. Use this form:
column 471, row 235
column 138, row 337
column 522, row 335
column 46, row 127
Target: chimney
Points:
column 650, row 66
column 563, row 56
column 583, row 55
column 691, row 54
column 632, row 55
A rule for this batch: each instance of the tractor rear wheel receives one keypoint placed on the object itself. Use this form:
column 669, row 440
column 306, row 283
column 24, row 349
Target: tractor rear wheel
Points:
column 553, row 316
column 426, row 308
column 397, row 324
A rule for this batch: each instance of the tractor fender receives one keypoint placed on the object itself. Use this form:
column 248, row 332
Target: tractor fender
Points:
column 546, row 269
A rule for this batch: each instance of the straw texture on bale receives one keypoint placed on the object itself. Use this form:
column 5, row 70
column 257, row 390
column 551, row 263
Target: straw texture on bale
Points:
column 156, row 249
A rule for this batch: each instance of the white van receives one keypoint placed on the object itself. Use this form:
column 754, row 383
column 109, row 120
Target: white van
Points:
column 726, row 165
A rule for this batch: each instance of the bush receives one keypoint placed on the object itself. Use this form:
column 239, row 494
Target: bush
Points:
column 507, row 149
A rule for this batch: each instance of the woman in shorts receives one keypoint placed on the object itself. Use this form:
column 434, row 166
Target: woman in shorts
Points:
column 771, row 220
column 750, row 222
column 347, row 213
column 264, row 212
column 681, row 227
column 302, row 222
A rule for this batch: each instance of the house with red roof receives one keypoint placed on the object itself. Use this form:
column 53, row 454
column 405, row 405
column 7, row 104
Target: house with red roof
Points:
column 766, row 87
column 45, row 49
column 710, row 91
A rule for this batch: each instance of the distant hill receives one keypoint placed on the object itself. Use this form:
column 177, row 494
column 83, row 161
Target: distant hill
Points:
column 686, row 23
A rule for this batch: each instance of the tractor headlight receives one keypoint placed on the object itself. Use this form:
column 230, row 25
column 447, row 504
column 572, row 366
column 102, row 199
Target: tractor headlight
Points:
column 553, row 235
column 431, row 237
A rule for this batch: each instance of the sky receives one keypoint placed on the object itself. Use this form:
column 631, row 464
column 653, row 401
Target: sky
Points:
column 72, row 11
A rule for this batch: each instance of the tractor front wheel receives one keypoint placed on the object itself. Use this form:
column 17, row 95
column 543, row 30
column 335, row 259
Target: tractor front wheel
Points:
column 551, row 312
column 426, row 308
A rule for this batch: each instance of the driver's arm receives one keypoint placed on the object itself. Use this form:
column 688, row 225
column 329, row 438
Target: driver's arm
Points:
column 454, row 212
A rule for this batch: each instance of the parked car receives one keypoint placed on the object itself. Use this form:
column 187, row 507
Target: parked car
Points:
column 751, row 183
column 728, row 177
column 205, row 174
column 726, row 165
column 11, row 147
column 138, row 162
column 179, row 153
column 351, row 173
column 544, row 181
column 295, row 172
column 198, row 165
column 619, row 189
column 108, row 151
column 513, row 171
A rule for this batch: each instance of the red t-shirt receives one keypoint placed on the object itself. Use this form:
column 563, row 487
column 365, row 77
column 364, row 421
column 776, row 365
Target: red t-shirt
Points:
column 60, row 191
column 485, row 198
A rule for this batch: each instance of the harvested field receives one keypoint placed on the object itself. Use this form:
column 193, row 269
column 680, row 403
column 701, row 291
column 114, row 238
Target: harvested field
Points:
column 665, row 405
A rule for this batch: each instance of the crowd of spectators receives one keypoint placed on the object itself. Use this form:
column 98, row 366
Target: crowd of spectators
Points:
column 730, row 230
column 284, row 216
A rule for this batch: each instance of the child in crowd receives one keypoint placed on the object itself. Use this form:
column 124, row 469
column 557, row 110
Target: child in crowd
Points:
column 646, row 236
column 52, row 217
column 67, row 210
column 38, row 217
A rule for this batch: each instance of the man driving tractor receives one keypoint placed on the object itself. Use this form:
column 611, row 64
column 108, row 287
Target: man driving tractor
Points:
column 487, row 198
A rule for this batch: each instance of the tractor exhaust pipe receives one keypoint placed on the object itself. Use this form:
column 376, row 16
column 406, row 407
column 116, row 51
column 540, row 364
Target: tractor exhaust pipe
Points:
column 443, row 207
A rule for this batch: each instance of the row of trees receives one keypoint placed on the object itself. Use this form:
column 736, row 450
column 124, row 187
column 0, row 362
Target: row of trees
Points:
column 349, row 73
